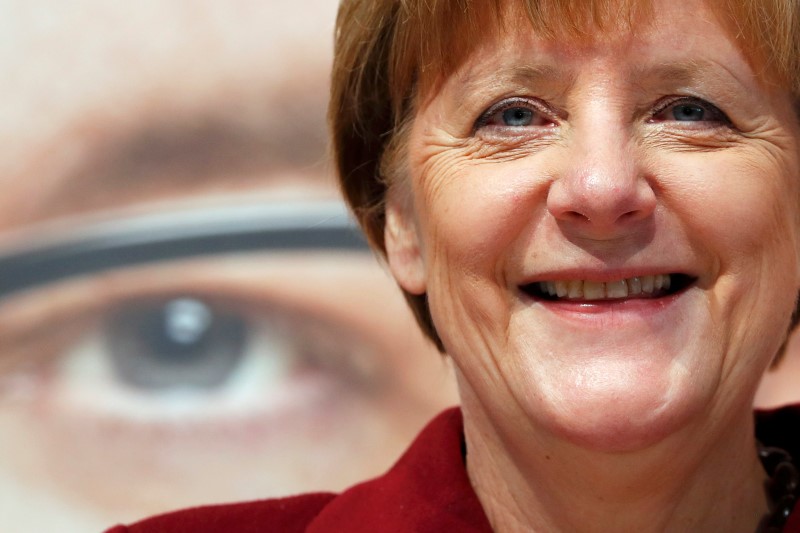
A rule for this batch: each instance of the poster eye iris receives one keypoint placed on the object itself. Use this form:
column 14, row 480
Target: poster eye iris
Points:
column 175, row 343
column 517, row 116
column 688, row 112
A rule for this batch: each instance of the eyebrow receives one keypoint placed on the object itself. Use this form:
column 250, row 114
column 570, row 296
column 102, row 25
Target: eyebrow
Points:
column 162, row 155
column 679, row 73
column 521, row 75
column 683, row 73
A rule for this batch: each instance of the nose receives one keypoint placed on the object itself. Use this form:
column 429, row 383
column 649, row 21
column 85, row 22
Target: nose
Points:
column 600, row 191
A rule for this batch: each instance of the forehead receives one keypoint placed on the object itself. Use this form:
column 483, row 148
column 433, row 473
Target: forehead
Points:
column 675, row 51
column 567, row 31
column 77, row 75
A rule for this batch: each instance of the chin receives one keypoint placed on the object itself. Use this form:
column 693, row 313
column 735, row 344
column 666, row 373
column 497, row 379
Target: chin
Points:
column 623, row 428
column 620, row 405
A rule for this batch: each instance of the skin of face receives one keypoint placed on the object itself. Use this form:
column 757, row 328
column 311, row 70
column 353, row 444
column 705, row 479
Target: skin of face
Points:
column 606, row 180
column 111, row 109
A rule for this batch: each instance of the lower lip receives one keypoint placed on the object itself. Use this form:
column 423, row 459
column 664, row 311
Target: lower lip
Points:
column 611, row 313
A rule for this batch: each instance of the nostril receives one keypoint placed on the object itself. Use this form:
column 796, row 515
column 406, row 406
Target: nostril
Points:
column 600, row 201
column 575, row 216
column 634, row 214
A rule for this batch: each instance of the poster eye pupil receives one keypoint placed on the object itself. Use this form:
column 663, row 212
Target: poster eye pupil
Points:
column 186, row 321
column 175, row 343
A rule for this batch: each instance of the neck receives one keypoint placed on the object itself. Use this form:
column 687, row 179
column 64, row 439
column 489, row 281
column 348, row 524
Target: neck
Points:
column 696, row 481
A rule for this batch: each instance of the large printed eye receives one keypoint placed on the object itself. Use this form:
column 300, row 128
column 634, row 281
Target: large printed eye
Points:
column 216, row 336
column 204, row 355
column 175, row 373
column 209, row 358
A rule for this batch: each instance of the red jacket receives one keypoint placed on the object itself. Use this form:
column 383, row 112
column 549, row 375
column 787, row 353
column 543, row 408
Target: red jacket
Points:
column 426, row 491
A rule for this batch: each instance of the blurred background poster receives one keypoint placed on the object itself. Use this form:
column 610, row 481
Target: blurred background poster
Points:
column 186, row 312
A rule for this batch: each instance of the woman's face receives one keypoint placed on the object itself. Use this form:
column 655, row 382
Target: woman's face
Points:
column 556, row 186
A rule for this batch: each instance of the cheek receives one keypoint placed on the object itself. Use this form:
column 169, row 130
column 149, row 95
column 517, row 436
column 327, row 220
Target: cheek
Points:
column 741, row 212
column 471, row 215
column 472, row 212
column 741, row 208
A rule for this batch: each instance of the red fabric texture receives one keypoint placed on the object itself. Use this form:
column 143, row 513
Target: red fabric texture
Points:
column 426, row 491
column 289, row 515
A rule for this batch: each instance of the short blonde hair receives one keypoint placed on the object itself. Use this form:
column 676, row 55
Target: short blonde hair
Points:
column 390, row 52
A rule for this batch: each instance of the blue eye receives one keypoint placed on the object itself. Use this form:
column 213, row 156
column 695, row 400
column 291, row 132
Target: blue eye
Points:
column 516, row 113
column 690, row 110
column 517, row 117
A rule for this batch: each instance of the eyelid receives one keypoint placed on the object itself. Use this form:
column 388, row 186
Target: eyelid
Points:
column 667, row 102
column 78, row 307
column 331, row 352
column 538, row 106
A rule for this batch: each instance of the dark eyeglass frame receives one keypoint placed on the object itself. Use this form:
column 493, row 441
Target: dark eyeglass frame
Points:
column 35, row 259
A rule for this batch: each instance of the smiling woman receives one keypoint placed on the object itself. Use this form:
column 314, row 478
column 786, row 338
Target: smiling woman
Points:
column 599, row 191
column 592, row 208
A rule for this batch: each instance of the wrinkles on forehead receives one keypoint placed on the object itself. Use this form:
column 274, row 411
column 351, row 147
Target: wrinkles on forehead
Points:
column 449, row 39
column 450, row 36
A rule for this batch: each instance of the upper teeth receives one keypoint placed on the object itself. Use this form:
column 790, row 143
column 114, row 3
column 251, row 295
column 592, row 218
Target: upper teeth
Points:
column 596, row 290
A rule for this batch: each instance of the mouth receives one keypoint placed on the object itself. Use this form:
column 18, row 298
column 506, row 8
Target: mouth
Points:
column 587, row 291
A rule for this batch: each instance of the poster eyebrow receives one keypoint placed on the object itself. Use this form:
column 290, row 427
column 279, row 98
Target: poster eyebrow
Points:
column 151, row 238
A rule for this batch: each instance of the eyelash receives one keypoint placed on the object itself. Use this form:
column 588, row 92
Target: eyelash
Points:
column 316, row 346
column 718, row 116
column 542, row 110
column 536, row 106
